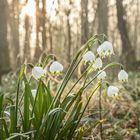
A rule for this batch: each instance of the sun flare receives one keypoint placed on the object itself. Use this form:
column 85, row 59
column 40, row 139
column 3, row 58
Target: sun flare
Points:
column 30, row 8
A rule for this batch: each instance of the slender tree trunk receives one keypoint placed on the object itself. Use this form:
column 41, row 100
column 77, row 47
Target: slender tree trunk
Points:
column 102, row 12
column 84, row 21
column 14, row 27
column 50, row 38
column 128, row 53
column 4, row 54
column 44, row 25
column 69, row 38
column 38, row 49
column 27, row 39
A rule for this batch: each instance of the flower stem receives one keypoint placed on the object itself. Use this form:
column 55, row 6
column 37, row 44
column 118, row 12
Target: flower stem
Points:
column 100, row 113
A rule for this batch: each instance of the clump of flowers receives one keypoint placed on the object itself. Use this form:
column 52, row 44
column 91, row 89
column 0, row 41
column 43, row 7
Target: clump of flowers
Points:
column 43, row 112
column 103, row 51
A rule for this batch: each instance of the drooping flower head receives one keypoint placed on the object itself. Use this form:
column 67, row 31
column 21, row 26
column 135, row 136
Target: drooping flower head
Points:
column 97, row 63
column 56, row 67
column 102, row 75
column 38, row 72
column 123, row 76
column 112, row 90
column 89, row 56
column 105, row 49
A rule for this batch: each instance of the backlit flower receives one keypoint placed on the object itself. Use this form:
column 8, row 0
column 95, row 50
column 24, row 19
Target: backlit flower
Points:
column 97, row 63
column 112, row 90
column 89, row 56
column 56, row 67
column 38, row 72
column 102, row 75
column 105, row 49
column 123, row 76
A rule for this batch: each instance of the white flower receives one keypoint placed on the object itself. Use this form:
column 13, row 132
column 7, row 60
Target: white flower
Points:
column 56, row 67
column 105, row 49
column 102, row 75
column 38, row 72
column 34, row 91
column 123, row 76
column 89, row 56
column 112, row 90
column 98, row 63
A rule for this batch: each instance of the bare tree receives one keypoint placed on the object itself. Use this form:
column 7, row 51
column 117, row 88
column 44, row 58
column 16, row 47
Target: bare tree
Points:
column 27, row 50
column 14, row 27
column 69, row 34
column 27, row 39
column 84, row 21
column 44, row 24
column 4, row 55
column 102, row 12
column 128, row 52
column 38, row 49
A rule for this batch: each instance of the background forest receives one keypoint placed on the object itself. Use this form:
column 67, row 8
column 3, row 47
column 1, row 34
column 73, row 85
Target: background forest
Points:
column 28, row 28
column 31, row 29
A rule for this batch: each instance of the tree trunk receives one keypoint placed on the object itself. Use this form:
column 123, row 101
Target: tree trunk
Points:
column 102, row 12
column 69, row 38
column 50, row 38
column 84, row 21
column 27, row 40
column 44, row 25
column 4, row 54
column 128, row 53
column 14, row 28
column 38, row 49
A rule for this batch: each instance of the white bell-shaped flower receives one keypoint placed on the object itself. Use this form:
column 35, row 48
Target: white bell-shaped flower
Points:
column 38, row 72
column 97, row 63
column 112, row 90
column 56, row 67
column 102, row 75
column 34, row 91
column 89, row 56
column 123, row 76
column 105, row 49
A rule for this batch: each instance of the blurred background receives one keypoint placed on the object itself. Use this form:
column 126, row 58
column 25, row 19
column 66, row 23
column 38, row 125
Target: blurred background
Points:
column 30, row 27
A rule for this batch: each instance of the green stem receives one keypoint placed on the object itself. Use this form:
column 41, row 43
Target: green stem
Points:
column 84, row 109
column 100, row 113
column 17, row 98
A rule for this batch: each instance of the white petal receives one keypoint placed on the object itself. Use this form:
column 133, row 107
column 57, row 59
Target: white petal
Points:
column 56, row 67
column 38, row 72
column 98, row 63
column 123, row 76
column 89, row 56
column 102, row 75
column 112, row 90
column 105, row 49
